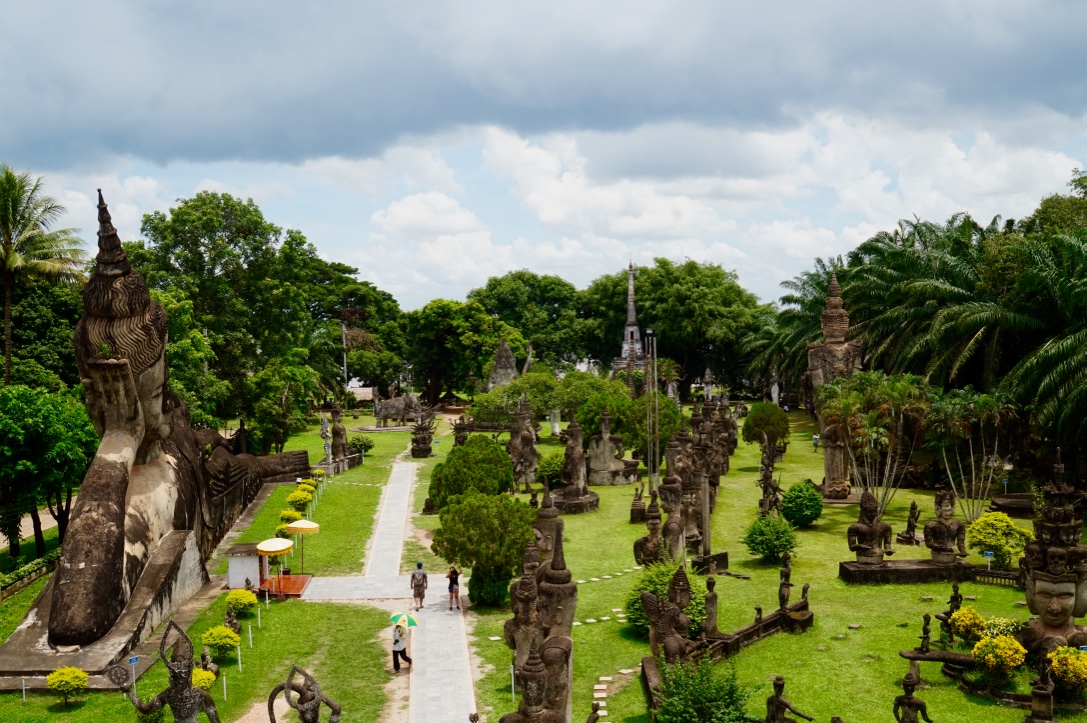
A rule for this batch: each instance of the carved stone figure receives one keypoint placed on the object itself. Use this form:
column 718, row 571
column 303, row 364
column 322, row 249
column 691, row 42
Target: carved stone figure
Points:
column 742, row 410
column 910, row 536
column 522, row 448
column 206, row 662
column 953, row 605
column 835, row 358
column 1041, row 694
column 777, row 706
column 784, row 587
column 650, row 549
column 422, row 435
column 230, row 620
column 241, row 438
column 908, row 707
column 771, row 489
column 505, row 367
column 460, row 432
column 668, row 625
column 398, row 408
column 308, row 703
column 606, row 455
column 326, row 436
column 574, row 473
column 869, row 536
column 637, row 505
column 672, row 532
column 709, row 623
column 150, row 494
column 926, row 634
column 533, row 683
column 945, row 536
column 524, row 632
column 184, row 698
column 339, row 435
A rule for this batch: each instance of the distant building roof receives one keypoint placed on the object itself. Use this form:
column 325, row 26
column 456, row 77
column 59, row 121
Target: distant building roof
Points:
column 243, row 548
column 362, row 394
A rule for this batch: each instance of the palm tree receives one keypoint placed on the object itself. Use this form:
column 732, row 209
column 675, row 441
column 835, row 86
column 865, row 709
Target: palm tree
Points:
column 29, row 250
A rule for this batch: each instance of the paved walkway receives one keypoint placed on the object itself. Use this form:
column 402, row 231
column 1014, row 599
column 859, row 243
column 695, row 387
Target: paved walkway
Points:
column 441, row 676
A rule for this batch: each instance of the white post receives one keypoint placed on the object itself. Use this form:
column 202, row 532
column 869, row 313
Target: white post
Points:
column 24, row 691
column 258, row 616
column 250, row 625
column 224, row 687
column 239, row 658
column 513, row 690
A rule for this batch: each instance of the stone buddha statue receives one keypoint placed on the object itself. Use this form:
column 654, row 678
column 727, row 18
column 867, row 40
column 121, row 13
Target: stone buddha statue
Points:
column 869, row 536
column 945, row 536
column 650, row 549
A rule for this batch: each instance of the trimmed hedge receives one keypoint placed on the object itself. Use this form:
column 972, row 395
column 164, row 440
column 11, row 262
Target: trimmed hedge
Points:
column 28, row 569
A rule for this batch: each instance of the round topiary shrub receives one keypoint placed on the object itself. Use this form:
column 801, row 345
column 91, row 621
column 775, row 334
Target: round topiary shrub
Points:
column 221, row 640
column 656, row 578
column 289, row 516
column 996, row 533
column 802, row 504
column 68, row 681
column 299, row 500
column 1069, row 672
column 244, row 601
column 999, row 657
column 203, row 679
column 281, row 531
column 480, row 464
column 968, row 624
column 768, row 537
column 549, row 471
column 766, row 418
column 360, row 443
column 308, row 489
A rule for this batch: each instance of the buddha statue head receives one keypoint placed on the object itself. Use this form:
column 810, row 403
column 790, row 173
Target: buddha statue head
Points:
column 945, row 505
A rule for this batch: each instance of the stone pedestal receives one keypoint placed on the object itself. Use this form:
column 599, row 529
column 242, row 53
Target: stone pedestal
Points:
column 798, row 622
column 904, row 572
column 710, row 564
column 576, row 505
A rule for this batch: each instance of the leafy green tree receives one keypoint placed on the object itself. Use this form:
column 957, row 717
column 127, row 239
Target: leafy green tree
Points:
column 46, row 442
column 487, row 533
column 544, row 308
column 277, row 401
column 633, row 424
column 43, row 320
column 765, row 418
column 480, row 465
column 575, row 387
column 769, row 537
column 615, row 399
column 802, row 504
column 30, row 249
column 700, row 312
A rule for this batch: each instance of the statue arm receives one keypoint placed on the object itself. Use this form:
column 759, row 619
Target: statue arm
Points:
column 794, row 711
column 271, row 702
column 334, row 707
column 897, row 709
column 150, row 706
column 209, row 707
column 923, row 710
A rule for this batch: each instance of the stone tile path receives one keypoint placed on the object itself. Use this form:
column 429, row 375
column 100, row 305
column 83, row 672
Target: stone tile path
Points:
column 441, row 676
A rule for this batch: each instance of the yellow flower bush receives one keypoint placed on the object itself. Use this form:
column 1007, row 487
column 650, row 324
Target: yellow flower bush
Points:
column 308, row 489
column 203, row 678
column 999, row 656
column 968, row 624
column 1070, row 671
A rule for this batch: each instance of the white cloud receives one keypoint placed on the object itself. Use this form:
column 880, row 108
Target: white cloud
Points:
column 423, row 215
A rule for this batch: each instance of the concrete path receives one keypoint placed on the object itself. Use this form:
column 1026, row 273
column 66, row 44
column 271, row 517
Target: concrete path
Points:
column 441, row 674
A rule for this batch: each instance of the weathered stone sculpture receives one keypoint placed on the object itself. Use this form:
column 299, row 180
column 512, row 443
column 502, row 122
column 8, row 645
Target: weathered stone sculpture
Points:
column 505, row 367
column 339, row 435
column 784, row 585
column 771, row 489
column 777, row 706
column 460, row 432
column 151, row 501
column 709, row 623
column 910, row 536
column 207, row 664
column 230, row 620
column 908, row 707
column 533, row 684
column 869, row 536
column 522, row 448
column 184, row 698
column 953, row 605
column 637, row 505
column 926, row 634
column 308, row 703
column 524, row 632
column 668, row 625
column 422, row 435
column 945, row 536
column 650, row 549
column 1041, row 694
column 606, row 455
column 742, row 410
column 672, row 532
column 326, row 436
column 399, row 408
column 835, row 358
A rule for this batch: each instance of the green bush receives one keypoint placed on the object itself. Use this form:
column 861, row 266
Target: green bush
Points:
column 67, row 681
column 549, row 471
column 360, row 443
column 480, row 465
column 487, row 533
column 996, row 533
column 289, row 516
column 768, row 418
column 655, row 578
column 802, row 504
column 221, row 640
column 996, row 627
column 308, row 489
column 281, row 531
column 704, row 691
column 769, row 536
column 299, row 500
column 25, row 571
column 203, row 679
column 244, row 601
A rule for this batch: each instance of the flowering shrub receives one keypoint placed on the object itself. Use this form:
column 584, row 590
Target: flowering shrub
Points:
column 968, row 624
column 221, row 640
column 999, row 656
column 299, row 500
column 308, row 489
column 203, row 678
column 243, row 601
column 996, row 533
column 995, row 627
column 1070, row 671
column 289, row 516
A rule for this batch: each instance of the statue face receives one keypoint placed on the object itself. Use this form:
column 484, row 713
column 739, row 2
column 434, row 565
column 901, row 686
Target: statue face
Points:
column 654, row 526
column 1054, row 601
column 945, row 509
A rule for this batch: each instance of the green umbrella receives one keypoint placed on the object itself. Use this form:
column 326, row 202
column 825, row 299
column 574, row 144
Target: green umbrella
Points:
column 404, row 619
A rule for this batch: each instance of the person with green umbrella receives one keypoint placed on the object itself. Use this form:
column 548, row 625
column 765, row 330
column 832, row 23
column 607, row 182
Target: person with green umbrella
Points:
column 400, row 645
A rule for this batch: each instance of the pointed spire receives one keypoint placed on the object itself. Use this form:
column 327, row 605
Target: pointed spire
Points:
column 112, row 259
column 632, row 316
column 834, row 289
column 835, row 320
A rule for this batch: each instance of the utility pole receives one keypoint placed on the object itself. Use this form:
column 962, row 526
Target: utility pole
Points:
column 343, row 334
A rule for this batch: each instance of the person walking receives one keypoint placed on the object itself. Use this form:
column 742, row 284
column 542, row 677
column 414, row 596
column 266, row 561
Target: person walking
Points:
column 815, row 442
column 400, row 646
column 418, row 585
column 454, row 586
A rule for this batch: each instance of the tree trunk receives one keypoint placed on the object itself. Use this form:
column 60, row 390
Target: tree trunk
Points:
column 60, row 512
column 7, row 329
column 39, row 538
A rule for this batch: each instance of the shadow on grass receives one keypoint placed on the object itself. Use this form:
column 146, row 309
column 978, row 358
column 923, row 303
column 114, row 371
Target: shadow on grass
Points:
column 70, row 707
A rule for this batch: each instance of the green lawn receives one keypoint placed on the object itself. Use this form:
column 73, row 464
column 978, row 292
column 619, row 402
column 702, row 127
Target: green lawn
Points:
column 856, row 677
column 338, row 642
column 27, row 551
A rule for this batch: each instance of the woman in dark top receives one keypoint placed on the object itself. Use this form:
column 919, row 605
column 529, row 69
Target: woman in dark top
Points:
column 454, row 586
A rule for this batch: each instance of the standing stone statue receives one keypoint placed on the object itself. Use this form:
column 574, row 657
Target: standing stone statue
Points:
column 460, row 432
column 926, row 634
column 771, row 489
column 308, row 703
column 869, row 536
column 230, row 620
column 835, row 358
column 1041, row 694
column 945, row 536
column 574, row 473
column 526, row 460
column 953, row 605
column 637, row 505
column 910, row 536
column 184, row 698
column 505, row 367
column 606, row 455
column 533, row 683
column 422, row 435
column 672, row 532
column 339, row 435
column 785, row 585
column 907, row 707
column 668, row 624
column 777, row 706
column 650, row 549
column 326, row 435
column 709, row 623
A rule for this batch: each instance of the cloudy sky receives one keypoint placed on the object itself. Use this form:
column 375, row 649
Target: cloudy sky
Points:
column 434, row 144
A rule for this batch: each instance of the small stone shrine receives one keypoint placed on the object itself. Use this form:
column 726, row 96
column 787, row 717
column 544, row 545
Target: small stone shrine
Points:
column 575, row 497
column 835, row 358
column 505, row 367
column 637, row 505
column 606, row 455
column 870, row 539
column 309, row 700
